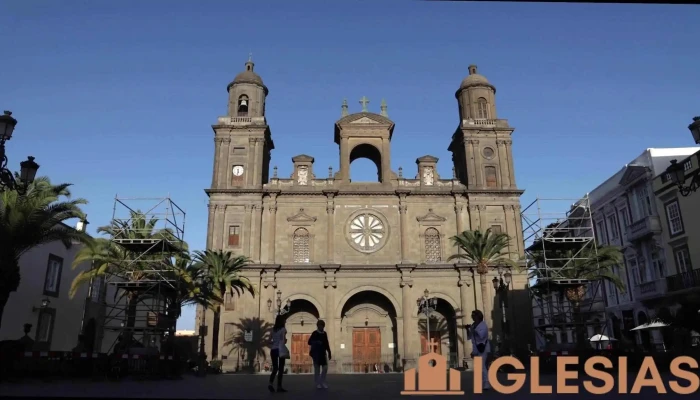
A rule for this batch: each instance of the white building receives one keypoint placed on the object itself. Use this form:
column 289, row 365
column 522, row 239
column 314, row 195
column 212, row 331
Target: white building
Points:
column 625, row 214
column 42, row 300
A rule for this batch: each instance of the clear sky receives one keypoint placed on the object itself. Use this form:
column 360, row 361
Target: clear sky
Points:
column 118, row 97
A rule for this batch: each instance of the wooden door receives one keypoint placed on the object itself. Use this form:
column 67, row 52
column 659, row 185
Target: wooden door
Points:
column 300, row 360
column 434, row 341
column 366, row 349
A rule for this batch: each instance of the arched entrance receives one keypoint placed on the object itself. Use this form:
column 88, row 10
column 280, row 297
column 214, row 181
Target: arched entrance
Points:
column 442, row 326
column 368, row 333
column 644, row 334
column 301, row 321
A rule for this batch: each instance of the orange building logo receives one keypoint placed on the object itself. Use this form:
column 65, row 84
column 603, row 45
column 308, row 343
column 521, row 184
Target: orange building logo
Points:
column 432, row 377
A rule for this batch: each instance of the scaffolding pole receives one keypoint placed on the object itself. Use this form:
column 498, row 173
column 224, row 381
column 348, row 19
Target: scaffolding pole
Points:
column 559, row 235
column 148, row 233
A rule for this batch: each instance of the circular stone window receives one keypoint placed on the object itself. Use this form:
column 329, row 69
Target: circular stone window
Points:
column 488, row 153
column 367, row 231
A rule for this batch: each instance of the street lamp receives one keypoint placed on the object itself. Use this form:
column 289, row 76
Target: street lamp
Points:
column 81, row 226
column 28, row 168
column 695, row 129
column 427, row 305
column 279, row 310
column 501, row 285
column 677, row 171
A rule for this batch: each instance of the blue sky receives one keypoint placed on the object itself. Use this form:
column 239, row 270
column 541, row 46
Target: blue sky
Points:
column 118, row 97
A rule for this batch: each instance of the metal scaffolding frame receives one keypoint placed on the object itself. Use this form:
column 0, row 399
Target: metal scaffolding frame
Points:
column 554, row 241
column 143, row 274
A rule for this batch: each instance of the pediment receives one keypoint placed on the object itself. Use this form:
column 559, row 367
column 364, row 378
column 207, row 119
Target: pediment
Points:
column 365, row 118
column 301, row 216
column 632, row 173
column 427, row 159
column 302, row 158
column 431, row 217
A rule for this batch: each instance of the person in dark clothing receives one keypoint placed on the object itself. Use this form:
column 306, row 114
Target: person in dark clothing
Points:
column 319, row 347
column 279, row 338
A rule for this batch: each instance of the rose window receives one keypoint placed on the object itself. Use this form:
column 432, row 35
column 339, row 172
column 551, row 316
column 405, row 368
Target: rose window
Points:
column 367, row 232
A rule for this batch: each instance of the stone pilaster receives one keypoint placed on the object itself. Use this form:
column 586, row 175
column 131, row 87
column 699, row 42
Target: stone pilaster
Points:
column 474, row 172
column 466, row 305
column 509, row 152
column 248, row 246
column 330, row 227
column 250, row 172
column 272, row 228
column 330, row 284
column 503, row 163
column 217, row 156
column 403, row 208
column 210, row 224
column 410, row 323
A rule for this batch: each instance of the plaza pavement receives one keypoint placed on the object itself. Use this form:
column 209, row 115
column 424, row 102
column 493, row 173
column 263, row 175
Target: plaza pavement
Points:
column 352, row 386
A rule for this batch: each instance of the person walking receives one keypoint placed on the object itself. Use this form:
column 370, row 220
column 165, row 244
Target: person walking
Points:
column 481, row 346
column 319, row 347
column 279, row 340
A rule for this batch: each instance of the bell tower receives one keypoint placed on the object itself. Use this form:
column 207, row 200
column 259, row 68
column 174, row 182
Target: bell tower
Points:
column 242, row 138
column 481, row 146
column 365, row 135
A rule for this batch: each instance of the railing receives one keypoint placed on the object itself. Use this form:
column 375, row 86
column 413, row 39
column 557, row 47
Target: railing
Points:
column 643, row 227
column 240, row 120
column 651, row 288
column 486, row 122
column 684, row 280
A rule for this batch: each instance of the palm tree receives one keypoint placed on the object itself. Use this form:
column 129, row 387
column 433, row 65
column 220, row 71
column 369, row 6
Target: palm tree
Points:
column 30, row 220
column 485, row 250
column 223, row 274
column 109, row 258
column 589, row 263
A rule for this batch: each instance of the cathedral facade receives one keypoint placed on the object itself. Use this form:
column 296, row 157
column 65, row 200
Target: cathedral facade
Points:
column 360, row 255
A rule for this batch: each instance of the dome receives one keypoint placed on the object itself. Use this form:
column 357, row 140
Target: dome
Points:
column 475, row 79
column 248, row 76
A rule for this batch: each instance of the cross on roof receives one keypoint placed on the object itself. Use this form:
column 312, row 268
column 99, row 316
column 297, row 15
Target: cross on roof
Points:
column 364, row 101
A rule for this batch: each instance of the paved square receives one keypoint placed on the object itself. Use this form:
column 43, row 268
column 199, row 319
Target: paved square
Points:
column 356, row 387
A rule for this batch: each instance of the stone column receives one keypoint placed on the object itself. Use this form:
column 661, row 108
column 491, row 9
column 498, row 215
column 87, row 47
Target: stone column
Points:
column 482, row 215
column 344, row 159
column 386, row 160
column 219, row 228
column 250, row 171
column 410, row 326
column 458, row 215
column 509, row 152
column 403, row 227
column 503, row 163
column 474, row 173
column 511, row 228
column 259, row 233
column 330, row 285
column 518, row 230
column 272, row 229
column 222, row 170
column 467, row 306
column 258, row 161
column 474, row 217
column 330, row 232
column 217, row 157
column 248, row 246
column 210, row 224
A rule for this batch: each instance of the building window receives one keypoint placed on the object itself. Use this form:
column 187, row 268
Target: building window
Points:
column 682, row 257
column 300, row 246
column 602, row 238
column 96, row 290
column 614, row 227
column 44, row 329
column 657, row 263
column 491, row 179
column 624, row 213
column 52, row 282
column 229, row 333
column 234, row 236
column 496, row 229
column 243, row 103
column 482, row 108
column 229, row 301
column 432, row 245
column 635, row 270
column 673, row 214
column 688, row 165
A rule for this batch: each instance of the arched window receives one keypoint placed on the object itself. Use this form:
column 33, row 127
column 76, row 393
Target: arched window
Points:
column 300, row 246
column 491, row 178
column 243, row 103
column 482, row 109
column 432, row 246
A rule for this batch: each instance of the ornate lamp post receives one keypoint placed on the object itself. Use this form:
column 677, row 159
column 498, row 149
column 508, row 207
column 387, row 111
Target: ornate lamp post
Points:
column 28, row 168
column 677, row 171
column 427, row 305
column 501, row 286
column 279, row 310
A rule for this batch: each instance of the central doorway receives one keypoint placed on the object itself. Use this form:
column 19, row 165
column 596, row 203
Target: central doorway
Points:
column 366, row 349
column 301, row 362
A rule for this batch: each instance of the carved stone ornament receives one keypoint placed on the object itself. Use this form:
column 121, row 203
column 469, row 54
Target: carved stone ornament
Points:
column 303, row 175
column 301, row 218
column 430, row 217
column 428, row 176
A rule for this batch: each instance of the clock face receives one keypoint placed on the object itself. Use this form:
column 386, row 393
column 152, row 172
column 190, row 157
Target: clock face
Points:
column 237, row 170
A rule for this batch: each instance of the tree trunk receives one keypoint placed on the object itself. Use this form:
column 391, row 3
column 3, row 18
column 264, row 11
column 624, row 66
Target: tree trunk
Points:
column 131, row 310
column 486, row 304
column 4, row 297
column 215, row 334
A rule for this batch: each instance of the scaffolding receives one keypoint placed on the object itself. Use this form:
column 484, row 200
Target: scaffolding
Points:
column 147, row 234
column 556, row 243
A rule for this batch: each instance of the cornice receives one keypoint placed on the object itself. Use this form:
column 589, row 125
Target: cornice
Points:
column 345, row 193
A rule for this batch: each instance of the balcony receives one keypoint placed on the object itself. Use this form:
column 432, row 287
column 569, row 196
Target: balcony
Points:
column 650, row 290
column 684, row 280
column 644, row 227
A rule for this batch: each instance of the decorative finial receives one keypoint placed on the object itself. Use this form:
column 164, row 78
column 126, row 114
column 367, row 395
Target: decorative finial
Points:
column 400, row 172
column 472, row 69
column 344, row 108
column 274, row 172
column 250, row 57
column 330, row 172
column 383, row 108
column 364, row 101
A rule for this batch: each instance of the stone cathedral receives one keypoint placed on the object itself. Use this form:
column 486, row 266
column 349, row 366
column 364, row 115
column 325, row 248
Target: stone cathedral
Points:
column 360, row 255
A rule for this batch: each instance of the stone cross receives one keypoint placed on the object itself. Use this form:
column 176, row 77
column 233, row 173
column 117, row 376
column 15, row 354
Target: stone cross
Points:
column 344, row 108
column 383, row 108
column 364, row 101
